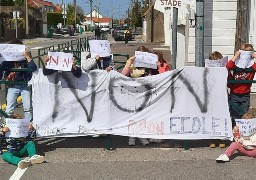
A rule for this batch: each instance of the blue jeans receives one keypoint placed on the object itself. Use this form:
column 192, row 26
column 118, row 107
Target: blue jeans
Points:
column 13, row 93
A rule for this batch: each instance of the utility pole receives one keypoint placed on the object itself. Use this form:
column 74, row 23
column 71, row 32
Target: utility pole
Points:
column 91, row 11
column 174, row 37
column 98, row 9
column 26, row 18
column 112, row 14
column 199, row 51
column 75, row 11
column 16, row 23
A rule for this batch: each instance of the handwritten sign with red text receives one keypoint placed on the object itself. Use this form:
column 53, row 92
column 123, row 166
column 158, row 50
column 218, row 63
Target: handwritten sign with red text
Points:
column 59, row 61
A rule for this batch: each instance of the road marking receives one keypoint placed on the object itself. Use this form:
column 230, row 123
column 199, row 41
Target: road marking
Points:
column 30, row 42
column 37, row 48
column 17, row 174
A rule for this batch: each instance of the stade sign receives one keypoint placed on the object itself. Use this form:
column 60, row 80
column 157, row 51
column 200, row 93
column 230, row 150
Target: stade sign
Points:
column 160, row 5
column 190, row 103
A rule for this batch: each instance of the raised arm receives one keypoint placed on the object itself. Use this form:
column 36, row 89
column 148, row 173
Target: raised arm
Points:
column 31, row 63
column 77, row 72
column 127, row 68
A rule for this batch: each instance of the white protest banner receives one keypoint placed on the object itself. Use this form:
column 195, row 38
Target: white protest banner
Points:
column 12, row 52
column 190, row 103
column 18, row 127
column 216, row 63
column 247, row 127
column 145, row 59
column 59, row 61
column 99, row 47
column 245, row 59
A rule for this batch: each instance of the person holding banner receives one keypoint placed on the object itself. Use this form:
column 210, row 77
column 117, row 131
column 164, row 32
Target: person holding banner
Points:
column 98, row 62
column 214, row 56
column 136, row 72
column 22, row 89
column 14, row 149
column 244, row 68
column 244, row 145
column 131, row 71
column 76, row 70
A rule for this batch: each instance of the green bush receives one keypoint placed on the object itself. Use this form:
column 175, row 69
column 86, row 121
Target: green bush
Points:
column 53, row 19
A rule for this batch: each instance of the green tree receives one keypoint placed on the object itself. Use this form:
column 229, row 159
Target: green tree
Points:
column 70, row 13
column 135, row 15
column 53, row 19
column 6, row 3
column 19, row 3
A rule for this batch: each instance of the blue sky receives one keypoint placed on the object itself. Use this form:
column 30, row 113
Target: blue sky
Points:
column 107, row 7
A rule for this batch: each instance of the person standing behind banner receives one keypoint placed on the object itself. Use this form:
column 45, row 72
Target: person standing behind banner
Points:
column 126, row 36
column 162, row 65
column 13, row 150
column 14, row 91
column 97, row 32
column 104, row 63
column 216, row 56
column 240, row 93
column 135, row 72
column 76, row 70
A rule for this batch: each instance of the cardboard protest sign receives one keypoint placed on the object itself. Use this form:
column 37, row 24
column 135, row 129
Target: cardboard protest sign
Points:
column 12, row 52
column 59, row 61
column 18, row 127
column 216, row 63
column 145, row 59
column 245, row 60
column 100, row 47
column 247, row 127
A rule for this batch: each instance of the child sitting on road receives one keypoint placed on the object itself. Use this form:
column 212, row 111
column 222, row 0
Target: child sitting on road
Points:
column 14, row 149
column 241, row 144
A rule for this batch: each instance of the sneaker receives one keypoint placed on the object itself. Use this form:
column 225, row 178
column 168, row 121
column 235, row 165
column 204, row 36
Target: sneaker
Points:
column 212, row 145
column 36, row 159
column 131, row 141
column 144, row 141
column 23, row 164
column 222, row 145
column 222, row 158
column 156, row 140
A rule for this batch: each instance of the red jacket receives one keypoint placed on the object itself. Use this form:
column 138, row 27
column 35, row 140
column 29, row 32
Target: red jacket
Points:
column 241, row 75
column 164, row 68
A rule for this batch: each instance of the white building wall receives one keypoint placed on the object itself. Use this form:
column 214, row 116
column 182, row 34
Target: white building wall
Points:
column 220, row 29
column 252, row 32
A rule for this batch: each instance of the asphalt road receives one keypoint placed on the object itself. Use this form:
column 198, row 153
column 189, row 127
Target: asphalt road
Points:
column 83, row 158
